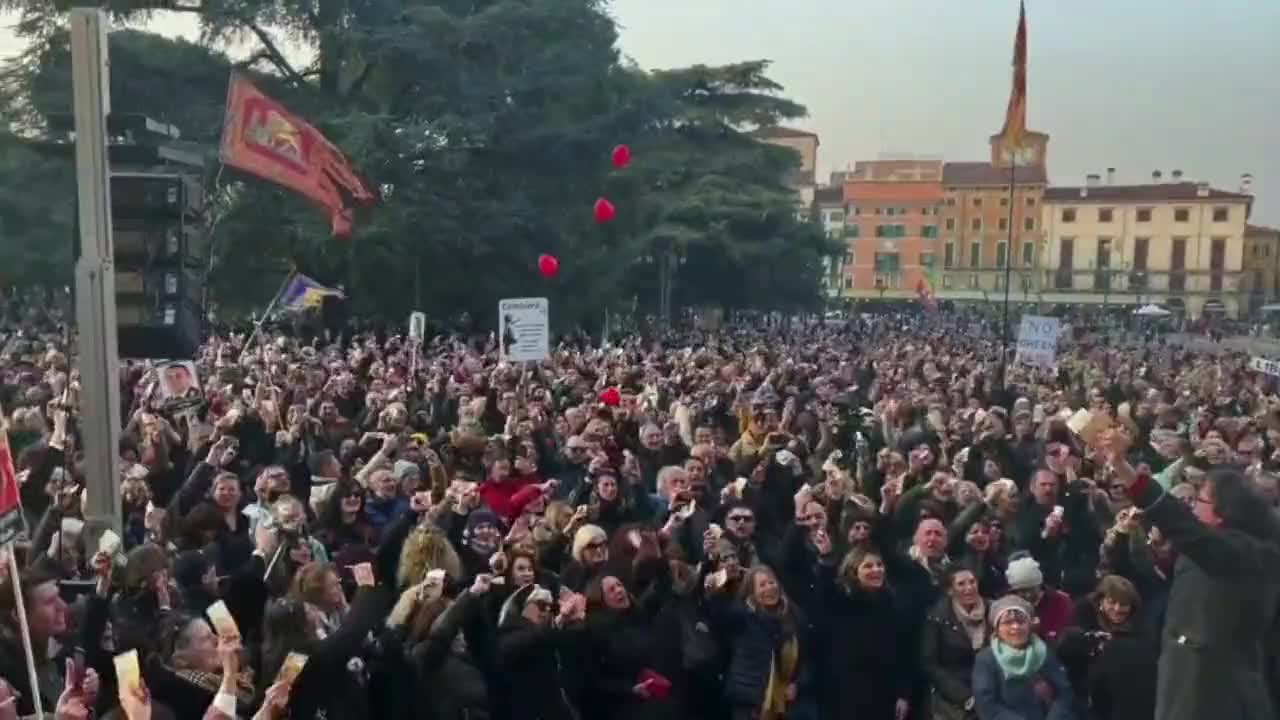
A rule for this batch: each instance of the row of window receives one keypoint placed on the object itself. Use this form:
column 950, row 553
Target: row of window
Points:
column 973, row 281
column 1106, row 214
column 950, row 258
column 898, row 230
column 975, row 224
column 1069, row 215
column 837, row 216
column 1004, row 202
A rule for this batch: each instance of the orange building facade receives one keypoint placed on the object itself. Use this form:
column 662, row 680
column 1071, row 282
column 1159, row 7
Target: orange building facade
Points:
column 892, row 227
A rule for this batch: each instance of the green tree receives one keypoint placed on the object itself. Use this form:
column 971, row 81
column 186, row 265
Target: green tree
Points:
column 488, row 125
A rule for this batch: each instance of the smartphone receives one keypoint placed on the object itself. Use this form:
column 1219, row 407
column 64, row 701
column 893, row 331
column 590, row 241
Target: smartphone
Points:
column 78, row 668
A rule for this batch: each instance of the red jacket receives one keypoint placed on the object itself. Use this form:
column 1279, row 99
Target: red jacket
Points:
column 508, row 498
column 1054, row 614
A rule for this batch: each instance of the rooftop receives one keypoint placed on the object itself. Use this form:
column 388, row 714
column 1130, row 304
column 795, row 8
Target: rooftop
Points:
column 984, row 173
column 1260, row 230
column 1158, row 192
column 895, row 171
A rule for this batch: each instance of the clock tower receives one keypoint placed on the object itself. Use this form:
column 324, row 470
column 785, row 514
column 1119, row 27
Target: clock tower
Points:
column 1030, row 152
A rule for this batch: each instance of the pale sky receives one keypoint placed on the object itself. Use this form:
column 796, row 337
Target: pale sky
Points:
column 1136, row 85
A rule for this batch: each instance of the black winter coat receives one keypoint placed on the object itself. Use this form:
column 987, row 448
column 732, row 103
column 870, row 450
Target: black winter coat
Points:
column 755, row 637
column 528, row 661
column 948, row 656
column 862, row 662
column 623, row 645
column 1113, row 672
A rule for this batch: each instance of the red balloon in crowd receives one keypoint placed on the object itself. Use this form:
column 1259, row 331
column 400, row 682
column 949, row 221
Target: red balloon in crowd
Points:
column 611, row 397
column 604, row 211
column 621, row 156
column 548, row 265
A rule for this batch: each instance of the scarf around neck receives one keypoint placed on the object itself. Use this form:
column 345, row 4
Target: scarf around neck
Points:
column 935, row 567
column 973, row 622
column 1019, row 663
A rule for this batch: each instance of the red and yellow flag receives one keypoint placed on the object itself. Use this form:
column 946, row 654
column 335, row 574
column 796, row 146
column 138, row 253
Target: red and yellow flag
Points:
column 1015, row 118
column 262, row 138
column 10, row 503
column 924, row 293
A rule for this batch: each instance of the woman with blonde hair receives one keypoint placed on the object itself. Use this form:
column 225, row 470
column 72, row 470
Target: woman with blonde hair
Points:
column 587, row 557
column 764, row 652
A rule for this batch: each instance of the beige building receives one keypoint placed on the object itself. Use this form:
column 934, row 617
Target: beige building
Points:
column 1177, row 244
column 832, row 215
column 1261, row 279
column 805, row 144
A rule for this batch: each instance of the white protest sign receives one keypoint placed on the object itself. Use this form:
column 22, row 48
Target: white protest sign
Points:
column 1038, row 341
column 417, row 326
column 524, row 329
column 1265, row 366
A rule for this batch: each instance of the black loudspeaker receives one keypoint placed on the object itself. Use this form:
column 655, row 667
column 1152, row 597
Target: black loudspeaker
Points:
column 160, row 253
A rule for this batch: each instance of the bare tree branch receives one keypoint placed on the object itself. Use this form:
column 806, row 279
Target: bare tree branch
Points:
column 269, row 52
column 273, row 53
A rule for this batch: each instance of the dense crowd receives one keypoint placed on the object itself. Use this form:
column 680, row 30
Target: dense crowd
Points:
column 835, row 520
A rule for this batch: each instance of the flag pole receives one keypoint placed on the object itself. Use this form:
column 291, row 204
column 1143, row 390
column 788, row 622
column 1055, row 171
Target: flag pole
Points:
column 1008, row 266
column 23, row 630
column 265, row 314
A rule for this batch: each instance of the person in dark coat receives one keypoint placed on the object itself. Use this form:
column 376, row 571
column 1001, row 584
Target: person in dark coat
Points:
column 1109, row 657
column 1225, row 593
column 955, row 630
column 625, row 683
column 1017, row 675
column 862, row 662
column 531, row 636
column 765, row 652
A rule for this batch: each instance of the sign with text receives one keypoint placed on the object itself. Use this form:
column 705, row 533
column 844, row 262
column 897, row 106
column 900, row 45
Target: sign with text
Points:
column 417, row 327
column 1038, row 341
column 524, row 329
column 1265, row 366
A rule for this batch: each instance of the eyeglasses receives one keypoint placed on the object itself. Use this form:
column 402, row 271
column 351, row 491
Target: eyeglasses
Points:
column 741, row 519
column 594, row 545
column 1014, row 619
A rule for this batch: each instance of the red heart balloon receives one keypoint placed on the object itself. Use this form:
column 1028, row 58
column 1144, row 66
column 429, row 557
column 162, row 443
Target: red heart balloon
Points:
column 621, row 156
column 548, row 265
column 611, row 397
column 604, row 211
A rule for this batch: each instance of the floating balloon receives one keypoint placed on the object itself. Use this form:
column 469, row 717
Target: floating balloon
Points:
column 611, row 397
column 548, row 265
column 604, row 211
column 621, row 156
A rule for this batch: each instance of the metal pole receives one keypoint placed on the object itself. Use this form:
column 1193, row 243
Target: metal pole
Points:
column 248, row 344
column 1008, row 265
column 95, row 274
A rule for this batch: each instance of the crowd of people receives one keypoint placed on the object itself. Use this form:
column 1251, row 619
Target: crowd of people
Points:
column 812, row 521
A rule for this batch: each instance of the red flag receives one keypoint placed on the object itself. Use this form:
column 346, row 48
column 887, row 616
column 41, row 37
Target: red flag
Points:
column 261, row 137
column 1015, row 118
column 925, row 293
column 10, row 507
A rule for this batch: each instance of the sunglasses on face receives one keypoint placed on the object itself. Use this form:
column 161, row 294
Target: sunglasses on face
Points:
column 741, row 518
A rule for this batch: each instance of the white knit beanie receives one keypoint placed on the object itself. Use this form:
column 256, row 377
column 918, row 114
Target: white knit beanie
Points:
column 1024, row 573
